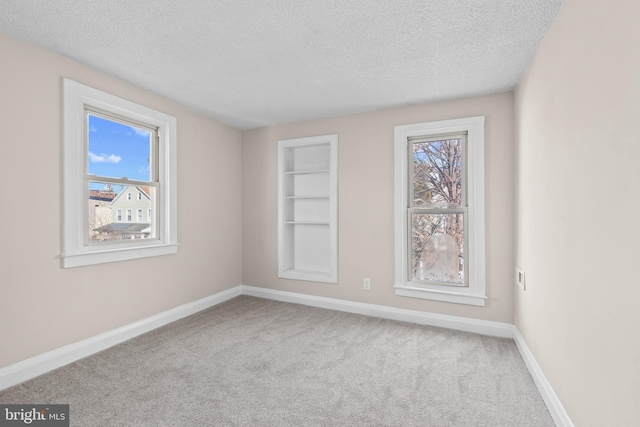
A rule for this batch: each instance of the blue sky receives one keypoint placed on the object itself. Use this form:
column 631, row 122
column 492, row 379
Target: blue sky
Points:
column 117, row 150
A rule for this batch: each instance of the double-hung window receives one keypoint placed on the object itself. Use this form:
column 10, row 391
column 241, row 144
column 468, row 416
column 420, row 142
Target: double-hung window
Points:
column 112, row 148
column 439, row 211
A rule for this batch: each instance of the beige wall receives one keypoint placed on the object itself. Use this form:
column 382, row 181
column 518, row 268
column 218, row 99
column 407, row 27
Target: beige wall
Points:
column 42, row 306
column 577, row 115
column 365, row 187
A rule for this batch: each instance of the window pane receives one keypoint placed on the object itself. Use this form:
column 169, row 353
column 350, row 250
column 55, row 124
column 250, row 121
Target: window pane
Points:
column 117, row 150
column 437, row 248
column 112, row 216
column 437, row 173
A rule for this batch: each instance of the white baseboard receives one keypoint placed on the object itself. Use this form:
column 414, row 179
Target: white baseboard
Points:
column 38, row 365
column 557, row 411
column 30, row 368
column 483, row 327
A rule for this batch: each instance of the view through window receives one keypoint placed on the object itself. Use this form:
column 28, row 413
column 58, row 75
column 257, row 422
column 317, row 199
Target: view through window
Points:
column 437, row 209
column 121, row 177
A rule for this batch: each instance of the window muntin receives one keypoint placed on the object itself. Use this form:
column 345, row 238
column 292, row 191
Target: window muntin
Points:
column 447, row 203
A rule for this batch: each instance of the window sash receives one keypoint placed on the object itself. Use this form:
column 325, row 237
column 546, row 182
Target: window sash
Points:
column 153, row 152
column 120, row 215
column 411, row 141
column 465, row 247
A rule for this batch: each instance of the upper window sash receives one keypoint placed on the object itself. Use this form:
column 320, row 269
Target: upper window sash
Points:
column 411, row 141
column 153, row 150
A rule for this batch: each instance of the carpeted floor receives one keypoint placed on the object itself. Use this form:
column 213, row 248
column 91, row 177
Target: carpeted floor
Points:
column 256, row 362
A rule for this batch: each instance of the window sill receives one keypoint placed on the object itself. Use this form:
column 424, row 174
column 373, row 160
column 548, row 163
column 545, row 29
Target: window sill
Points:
column 113, row 255
column 438, row 295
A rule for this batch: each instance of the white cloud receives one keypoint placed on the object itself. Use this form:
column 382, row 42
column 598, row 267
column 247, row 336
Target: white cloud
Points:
column 140, row 132
column 103, row 158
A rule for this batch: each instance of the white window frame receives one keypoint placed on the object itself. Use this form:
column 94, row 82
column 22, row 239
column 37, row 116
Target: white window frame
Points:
column 118, row 215
column 75, row 251
column 474, row 293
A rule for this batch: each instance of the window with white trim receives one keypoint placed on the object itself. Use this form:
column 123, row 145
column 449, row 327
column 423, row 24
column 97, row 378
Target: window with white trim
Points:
column 439, row 211
column 140, row 152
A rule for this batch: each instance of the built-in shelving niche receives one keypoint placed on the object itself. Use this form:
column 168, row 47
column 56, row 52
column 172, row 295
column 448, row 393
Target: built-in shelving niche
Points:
column 308, row 208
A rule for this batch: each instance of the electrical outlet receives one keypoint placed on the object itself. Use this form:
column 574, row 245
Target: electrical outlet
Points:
column 366, row 284
column 520, row 278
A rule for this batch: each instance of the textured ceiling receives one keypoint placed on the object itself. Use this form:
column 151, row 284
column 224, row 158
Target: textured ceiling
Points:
column 261, row 62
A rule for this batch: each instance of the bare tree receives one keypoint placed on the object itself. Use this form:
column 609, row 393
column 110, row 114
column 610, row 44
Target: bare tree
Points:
column 438, row 184
column 99, row 219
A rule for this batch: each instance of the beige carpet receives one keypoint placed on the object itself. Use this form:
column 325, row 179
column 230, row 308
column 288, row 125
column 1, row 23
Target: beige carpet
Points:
column 256, row 362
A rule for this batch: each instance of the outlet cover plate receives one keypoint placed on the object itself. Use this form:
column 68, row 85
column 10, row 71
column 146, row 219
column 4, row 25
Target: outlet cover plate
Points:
column 520, row 280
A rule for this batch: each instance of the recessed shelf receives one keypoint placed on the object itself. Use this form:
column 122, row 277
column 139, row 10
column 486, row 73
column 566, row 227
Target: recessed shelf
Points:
column 307, row 209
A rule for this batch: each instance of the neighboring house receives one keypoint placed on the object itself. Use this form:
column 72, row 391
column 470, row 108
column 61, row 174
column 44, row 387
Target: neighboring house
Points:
column 130, row 215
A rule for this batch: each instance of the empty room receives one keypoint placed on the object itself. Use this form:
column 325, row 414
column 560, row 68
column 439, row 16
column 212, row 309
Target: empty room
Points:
column 320, row 213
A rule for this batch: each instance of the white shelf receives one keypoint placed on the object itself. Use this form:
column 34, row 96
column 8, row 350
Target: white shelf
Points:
column 305, row 172
column 306, row 197
column 307, row 209
column 305, row 274
column 307, row 223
